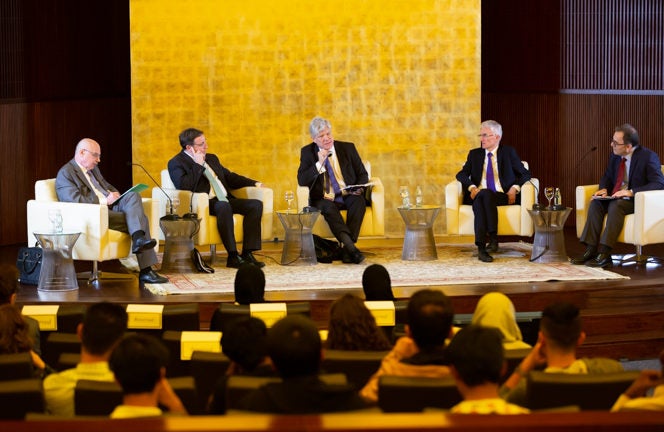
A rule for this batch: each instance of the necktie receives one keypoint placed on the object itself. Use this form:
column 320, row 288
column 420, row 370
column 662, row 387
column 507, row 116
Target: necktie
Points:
column 96, row 184
column 218, row 188
column 620, row 177
column 333, row 181
column 490, row 181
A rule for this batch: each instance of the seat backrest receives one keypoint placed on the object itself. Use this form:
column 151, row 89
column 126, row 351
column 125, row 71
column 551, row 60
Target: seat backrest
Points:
column 45, row 190
column 414, row 394
column 358, row 366
column 207, row 368
column 58, row 343
column 588, row 391
column 96, row 398
column 15, row 366
column 166, row 181
column 227, row 313
column 20, row 397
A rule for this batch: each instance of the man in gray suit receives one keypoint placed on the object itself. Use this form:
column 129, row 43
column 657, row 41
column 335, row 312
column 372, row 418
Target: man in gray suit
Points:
column 80, row 181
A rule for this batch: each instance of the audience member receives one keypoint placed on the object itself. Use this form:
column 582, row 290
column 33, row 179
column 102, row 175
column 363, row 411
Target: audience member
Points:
column 249, row 285
column 477, row 361
column 495, row 309
column 139, row 363
column 376, row 283
column 103, row 326
column 352, row 327
column 196, row 170
column 555, row 351
column 295, row 348
column 421, row 351
column 244, row 344
column 635, row 398
column 15, row 338
column 8, row 289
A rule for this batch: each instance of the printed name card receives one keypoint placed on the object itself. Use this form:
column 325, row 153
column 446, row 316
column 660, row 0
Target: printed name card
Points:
column 268, row 312
column 383, row 311
column 191, row 341
column 46, row 316
column 144, row 316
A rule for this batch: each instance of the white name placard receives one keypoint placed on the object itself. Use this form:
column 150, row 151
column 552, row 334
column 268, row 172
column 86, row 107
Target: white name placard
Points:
column 191, row 341
column 268, row 312
column 144, row 316
column 46, row 315
column 383, row 311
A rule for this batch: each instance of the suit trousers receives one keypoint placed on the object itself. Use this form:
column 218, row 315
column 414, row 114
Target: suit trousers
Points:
column 251, row 209
column 615, row 212
column 485, row 209
column 356, row 206
column 127, row 215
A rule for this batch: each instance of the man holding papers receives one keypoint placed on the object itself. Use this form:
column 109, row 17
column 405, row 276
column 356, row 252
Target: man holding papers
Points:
column 327, row 167
column 80, row 181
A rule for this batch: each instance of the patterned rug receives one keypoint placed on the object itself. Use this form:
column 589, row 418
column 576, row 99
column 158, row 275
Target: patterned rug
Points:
column 456, row 264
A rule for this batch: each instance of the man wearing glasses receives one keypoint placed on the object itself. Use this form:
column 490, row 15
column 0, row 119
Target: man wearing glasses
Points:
column 80, row 181
column 492, row 175
column 631, row 169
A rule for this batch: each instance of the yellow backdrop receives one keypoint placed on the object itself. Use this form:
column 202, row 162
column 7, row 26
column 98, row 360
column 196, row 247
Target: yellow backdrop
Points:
column 400, row 79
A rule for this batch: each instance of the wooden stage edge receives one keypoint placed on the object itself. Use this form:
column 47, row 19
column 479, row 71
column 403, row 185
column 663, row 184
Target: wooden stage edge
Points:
column 623, row 318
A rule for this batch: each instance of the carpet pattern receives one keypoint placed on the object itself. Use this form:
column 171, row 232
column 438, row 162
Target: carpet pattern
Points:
column 456, row 264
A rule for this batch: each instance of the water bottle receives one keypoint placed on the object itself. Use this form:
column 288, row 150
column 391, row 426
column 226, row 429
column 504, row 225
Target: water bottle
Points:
column 418, row 196
column 557, row 200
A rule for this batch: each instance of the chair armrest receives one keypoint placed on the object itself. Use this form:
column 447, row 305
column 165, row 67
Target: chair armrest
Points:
column 453, row 200
column 266, row 195
column 648, row 222
column 583, row 196
column 88, row 219
column 378, row 206
column 528, row 192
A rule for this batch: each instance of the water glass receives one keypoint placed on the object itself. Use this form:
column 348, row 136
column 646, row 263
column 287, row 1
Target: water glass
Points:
column 289, row 196
column 55, row 216
column 405, row 196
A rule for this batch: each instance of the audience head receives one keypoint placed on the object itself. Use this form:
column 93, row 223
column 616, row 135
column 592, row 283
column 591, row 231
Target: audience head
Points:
column 249, row 285
column 317, row 125
column 376, row 283
column 477, row 355
column 352, row 327
column 561, row 326
column 294, row 346
column 430, row 316
column 14, row 332
column 630, row 135
column 103, row 326
column 188, row 136
column 8, row 283
column 245, row 342
column 496, row 310
column 138, row 363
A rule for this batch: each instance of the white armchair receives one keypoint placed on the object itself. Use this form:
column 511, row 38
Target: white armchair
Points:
column 373, row 224
column 97, row 242
column 200, row 204
column 644, row 227
column 512, row 219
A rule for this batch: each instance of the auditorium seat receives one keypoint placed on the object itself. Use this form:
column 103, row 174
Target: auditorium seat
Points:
column 19, row 397
column 207, row 368
column 16, row 366
column 68, row 317
column 96, row 398
column 67, row 361
column 58, row 343
column 178, row 367
column 414, row 394
column 358, row 366
column 177, row 317
column 227, row 313
column 528, row 323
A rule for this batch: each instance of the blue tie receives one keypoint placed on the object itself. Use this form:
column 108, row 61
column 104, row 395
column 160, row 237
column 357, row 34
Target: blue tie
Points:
column 490, row 181
column 333, row 181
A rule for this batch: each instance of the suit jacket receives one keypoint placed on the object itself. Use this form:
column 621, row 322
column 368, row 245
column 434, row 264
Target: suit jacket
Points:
column 510, row 168
column 645, row 171
column 350, row 164
column 71, row 185
column 186, row 174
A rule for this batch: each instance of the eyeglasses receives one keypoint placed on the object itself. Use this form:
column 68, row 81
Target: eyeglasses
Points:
column 94, row 154
column 485, row 135
column 616, row 143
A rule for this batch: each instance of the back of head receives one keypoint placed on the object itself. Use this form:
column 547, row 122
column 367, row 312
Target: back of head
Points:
column 244, row 342
column 561, row 325
column 477, row 354
column 430, row 316
column 188, row 136
column 294, row 346
column 14, row 333
column 104, row 324
column 137, row 363
column 352, row 326
column 249, row 285
column 496, row 310
column 376, row 283
column 8, row 282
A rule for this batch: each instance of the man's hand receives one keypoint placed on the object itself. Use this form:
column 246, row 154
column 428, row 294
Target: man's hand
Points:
column 199, row 156
column 623, row 193
column 474, row 192
column 511, row 195
column 601, row 193
column 322, row 155
column 644, row 382
column 112, row 197
column 358, row 191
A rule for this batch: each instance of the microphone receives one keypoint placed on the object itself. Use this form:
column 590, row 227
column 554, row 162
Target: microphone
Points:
column 536, row 204
column 169, row 216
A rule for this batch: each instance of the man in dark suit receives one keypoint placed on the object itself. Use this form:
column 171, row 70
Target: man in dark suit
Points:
column 631, row 169
column 326, row 167
column 80, row 181
column 196, row 170
column 492, row 176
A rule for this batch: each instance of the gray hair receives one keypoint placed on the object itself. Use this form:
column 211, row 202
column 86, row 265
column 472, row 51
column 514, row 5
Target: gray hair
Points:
column 494, row 126
column 318, row 124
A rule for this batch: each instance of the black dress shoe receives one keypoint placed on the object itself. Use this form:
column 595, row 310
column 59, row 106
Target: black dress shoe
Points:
column 356, row 256
column 484, row 256
column 493, row 246
column 143, row 244
column 234, row 261
column 248, row 257
column 602, row 260
column 589, row 254
column 151, row 276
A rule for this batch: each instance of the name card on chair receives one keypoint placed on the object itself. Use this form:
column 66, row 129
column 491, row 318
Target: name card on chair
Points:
column 144, row 316
column 191, row 341
column 383, row 312
column 268, row 312
column 46, row 316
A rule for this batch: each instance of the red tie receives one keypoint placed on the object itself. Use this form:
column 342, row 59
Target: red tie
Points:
column 620, row 177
